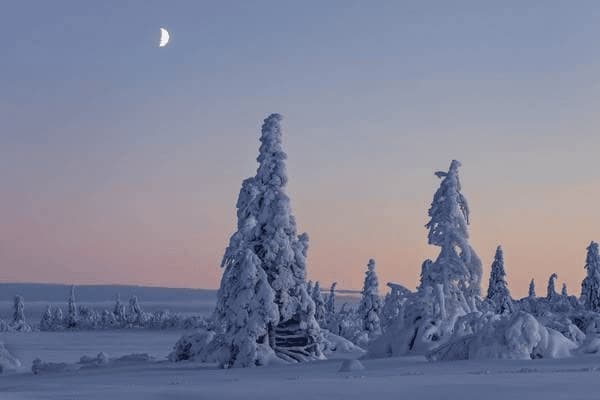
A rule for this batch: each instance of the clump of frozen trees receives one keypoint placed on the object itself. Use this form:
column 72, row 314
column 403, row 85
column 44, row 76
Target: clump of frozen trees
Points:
column 132, row 316
column 446, row 318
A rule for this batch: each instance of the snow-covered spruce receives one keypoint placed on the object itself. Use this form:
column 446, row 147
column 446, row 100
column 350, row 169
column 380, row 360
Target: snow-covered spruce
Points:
column 370, row 304
column 450, row 285
column 551, row 290
column 249, row 314
column 456, row 274
column 531, row 292
column 267, row 228
column 590, row 287
column 320, row 311
column 19, row 323
column 72, row 313
column 330, row 302
column 393, row 304
column 498, row 291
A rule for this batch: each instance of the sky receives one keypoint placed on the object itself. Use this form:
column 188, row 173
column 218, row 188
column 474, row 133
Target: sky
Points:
column 120, row 162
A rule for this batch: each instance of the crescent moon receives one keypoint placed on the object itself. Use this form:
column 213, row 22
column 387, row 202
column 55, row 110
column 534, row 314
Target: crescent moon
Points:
column 164, row 37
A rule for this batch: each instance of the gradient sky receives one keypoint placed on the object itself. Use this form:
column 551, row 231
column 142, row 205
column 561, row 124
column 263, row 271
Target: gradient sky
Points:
column 121, row 162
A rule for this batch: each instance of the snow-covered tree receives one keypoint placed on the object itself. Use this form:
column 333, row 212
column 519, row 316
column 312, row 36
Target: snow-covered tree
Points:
column 370, row 305
column 309, row 288
column 551, row 292
column 456, row 273
column 267, row 227
column 590, row 287
column 330, row 303
column 320, row 311
column 563, row 291
column 498, row 288
column 73, row 312
column 246, row 302
column 19, row 311
column 57, row 317
column 46, row 321
column 119, row 310
column 532, row 289
column 19, row 323
column 135, row 314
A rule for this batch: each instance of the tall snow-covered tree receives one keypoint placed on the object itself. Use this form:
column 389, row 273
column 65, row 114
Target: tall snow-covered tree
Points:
column 456, row 273
column 330, row 303
column 498, row 288
column 267, row 227
column 532, row 288
column 370, row 305
column 551, row 292
column 590, row 286
column 249, row 311
column 317, row 296
column 19, row 310
column 72, row 312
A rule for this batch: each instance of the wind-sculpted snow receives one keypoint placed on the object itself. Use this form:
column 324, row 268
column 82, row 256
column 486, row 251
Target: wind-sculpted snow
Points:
column 519, row 337
column 8, row 362
column 102, row 360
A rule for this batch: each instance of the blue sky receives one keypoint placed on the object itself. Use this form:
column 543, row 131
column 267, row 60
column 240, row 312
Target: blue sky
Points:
column 121, row 161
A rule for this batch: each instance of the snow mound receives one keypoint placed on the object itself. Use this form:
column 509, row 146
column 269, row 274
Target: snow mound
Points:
column 518, row 337
column 198, row 346
column 99, row 360
column 351, row 365
column 7, row 361
column 41, row 367
column 335, row 345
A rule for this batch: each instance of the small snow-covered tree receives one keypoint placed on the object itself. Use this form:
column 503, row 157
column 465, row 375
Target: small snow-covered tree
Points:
column 309, row 288
column 456, row 273
column 590, row 286
column 46, row 321
column 563, row 291
column 135, row 314
column 532, row 288
column 320, row 311
column 370, row 305
column 498, row 288
column 551, row 292
column 119, row 310
column 330, row 303
column 267, row 227
column 246, row 301
column 58, row 320
column 73, row 312
column 19, row 311
column 19, row 323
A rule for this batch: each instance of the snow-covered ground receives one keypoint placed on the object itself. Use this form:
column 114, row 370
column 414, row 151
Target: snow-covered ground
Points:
column 392, row 378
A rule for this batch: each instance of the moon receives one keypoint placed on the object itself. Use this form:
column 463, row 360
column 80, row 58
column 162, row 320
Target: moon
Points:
column 164, row 37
